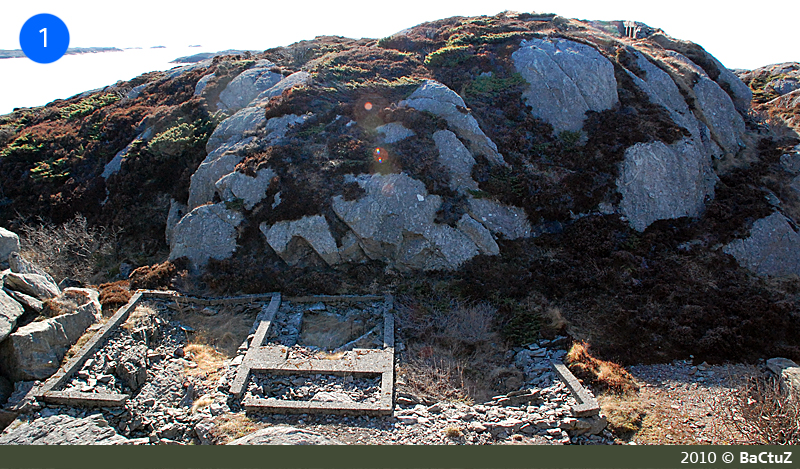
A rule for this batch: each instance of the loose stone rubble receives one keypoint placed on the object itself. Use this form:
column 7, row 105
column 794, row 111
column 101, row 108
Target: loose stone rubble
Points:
column 143, row 359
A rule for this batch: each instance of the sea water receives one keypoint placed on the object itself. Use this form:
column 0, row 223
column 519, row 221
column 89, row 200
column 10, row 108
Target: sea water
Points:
column 24, row 83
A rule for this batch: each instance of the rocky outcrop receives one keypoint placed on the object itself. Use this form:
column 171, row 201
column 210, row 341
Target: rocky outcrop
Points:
column 394, row 222
column 509, row 222
column 227, row 141
column 207, row 232
column 440, row 100
column 659, row 181
column 248, row 85
column 34, row 285
column 771, row 249
column 393, row 132
column 285, row 239
column 63, row 429
column 458, row 161
column 295, row 79
column 115, row 164
column 284, row 435
column 566, row 79
column 10, row 311
column 34, row 351
column 21, row 265
column 9, row 242
column 250, row 190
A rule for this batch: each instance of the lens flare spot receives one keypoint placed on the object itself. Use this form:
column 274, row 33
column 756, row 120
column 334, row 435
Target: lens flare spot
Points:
column 368, row 106
column 379, row 155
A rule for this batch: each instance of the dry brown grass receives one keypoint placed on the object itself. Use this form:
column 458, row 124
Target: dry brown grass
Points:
column 625, row 413
column 224, row 331
column 229, row 427
column 208, row 359
column 434, row 379
column 328, row 331
column 201, row 403
column 599, row 373
column 768, row 414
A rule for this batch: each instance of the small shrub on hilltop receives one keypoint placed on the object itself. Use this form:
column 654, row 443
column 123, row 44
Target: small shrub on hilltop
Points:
column 87, row 105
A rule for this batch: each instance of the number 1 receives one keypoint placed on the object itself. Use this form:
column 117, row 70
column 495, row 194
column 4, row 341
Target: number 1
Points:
column 44, row 30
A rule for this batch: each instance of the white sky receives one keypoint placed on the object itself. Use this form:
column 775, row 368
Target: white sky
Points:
column 737, row 36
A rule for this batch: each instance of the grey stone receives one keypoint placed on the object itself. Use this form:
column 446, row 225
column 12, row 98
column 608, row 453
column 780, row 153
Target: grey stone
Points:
column 740, row 94
column 510, row 222
column 295, row 79
column 86, row 300
column 394, row 222
column 251, row 190
column 10, row 311
column 566, row 80
column 177, row 211
column 771, row 249
column 783, row 86
column 458, row 161
column 720, row 114
column 115, row 164
column 284, row 435
column 34, row 352
column 660, row 182
column 34, row 285
column 790, row 162
column 313, row 230
column 21, row 265
column 393, row 132
column 9, row 242
column 332, row 396
column 479, row 235
column 207, row 232
column 203, row 431
column 202, row 83
column 440, row 100
column 132, row 367
column 247, row 86
column 63, row 429
column 26, row 301
column 135, row 91
column 245, row 120
column 203, row 182
column 350, row 250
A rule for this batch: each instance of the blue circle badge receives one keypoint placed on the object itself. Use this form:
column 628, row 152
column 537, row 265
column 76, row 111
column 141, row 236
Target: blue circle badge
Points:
column 44, row 38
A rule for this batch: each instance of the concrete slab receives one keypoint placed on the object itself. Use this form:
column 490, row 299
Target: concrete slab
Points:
column 587, row 405
column 273, row 359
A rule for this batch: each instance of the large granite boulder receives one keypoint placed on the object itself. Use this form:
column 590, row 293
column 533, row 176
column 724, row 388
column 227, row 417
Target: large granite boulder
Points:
column 207, row 232
column 34, row 351
column 440, row 100
column 9, row 242
column 248, row 85
column 62, row 429
column 659, row 181
column 771, row 249
column 282, row 237
column 295, row 79
column 21, row 265
column 284, row 435
column 394, row 222
column 10, row 311
column 35, row 285
column 458, row 161
column 566, row 79
column 226, row 143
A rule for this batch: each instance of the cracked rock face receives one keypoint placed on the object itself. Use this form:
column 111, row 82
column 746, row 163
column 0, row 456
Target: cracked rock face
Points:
column 566, row 80
column 394, row 222
column 207, row 232
column 659, row 181
column 771, row 249
column 248, row 85
column 313, row 231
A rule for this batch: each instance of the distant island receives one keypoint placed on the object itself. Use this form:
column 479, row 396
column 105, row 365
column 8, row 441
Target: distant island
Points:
column 190, row 59
column 17, row 53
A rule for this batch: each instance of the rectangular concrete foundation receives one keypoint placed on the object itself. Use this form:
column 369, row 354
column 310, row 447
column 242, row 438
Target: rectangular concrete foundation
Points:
column 273, row 359
column 49, row 392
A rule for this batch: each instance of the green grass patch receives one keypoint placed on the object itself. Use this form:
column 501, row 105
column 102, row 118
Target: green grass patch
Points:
column 87, row 106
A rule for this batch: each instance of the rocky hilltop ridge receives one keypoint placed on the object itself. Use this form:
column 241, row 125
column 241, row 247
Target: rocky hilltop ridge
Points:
column 603, row 167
